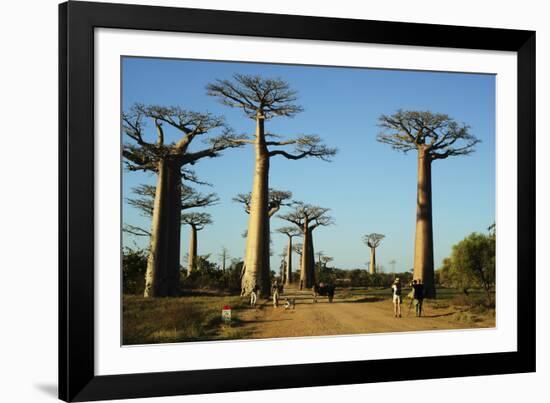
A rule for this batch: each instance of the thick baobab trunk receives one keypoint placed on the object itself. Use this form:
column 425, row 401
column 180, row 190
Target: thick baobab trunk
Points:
column 372, row 268
column 265, row 282
column 192, row 261
column 257, row 240
column 307, row 269
column 288, row 273
column 163, row 266
column 423, row 245
column 311, row 260
column 300, row 283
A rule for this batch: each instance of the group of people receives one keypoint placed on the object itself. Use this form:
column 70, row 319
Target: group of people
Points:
column 277, row 289
column 416, row 296
column 323, row 289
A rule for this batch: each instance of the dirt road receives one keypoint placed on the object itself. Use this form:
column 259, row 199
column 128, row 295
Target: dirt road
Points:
column 347, row 315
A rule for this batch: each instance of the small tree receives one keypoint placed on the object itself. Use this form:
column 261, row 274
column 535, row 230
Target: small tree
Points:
column 443, row 274
column 197, row 222
column 290, row 232
column 224, row 255
column 326, row 260
column 134, row 264
column 473, row 262
column 144, row 200
column 393, row 262
column 373, row 241
column 308, row 218
column 434, row 136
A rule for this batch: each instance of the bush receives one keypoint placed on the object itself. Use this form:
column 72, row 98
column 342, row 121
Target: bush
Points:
column 134, row 265
column 472, row 263
column 208, row 276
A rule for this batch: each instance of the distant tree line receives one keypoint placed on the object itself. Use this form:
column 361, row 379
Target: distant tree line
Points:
column 209, row 275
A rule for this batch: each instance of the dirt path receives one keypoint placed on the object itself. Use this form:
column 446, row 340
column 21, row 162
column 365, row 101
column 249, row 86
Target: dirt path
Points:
column 352, row 315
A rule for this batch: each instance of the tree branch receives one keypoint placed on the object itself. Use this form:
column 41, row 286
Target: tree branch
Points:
column 137, row 231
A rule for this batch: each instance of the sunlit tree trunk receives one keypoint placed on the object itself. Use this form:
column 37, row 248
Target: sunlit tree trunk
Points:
column 423, row 246
column 265, row 282
column 163, row 267
column 311, row 261
column 288, row 274
column 372, row 268
column 307, row 271
column 192, row 250
column 257, row 241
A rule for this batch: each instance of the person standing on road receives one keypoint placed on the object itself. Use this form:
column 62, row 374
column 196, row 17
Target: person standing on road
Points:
column 418, row 296
column 254, row 295
column 330, row 292
column 314, row 290
column 396, row 290
column 275, row 292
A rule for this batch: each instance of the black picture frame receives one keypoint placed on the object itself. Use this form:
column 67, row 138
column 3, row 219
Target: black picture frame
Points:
column 77, row 21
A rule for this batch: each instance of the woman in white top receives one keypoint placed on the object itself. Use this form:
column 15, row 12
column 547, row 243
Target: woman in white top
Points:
column 396, row 289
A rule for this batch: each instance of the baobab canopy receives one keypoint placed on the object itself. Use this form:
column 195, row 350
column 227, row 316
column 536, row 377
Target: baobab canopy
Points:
column 436, row 133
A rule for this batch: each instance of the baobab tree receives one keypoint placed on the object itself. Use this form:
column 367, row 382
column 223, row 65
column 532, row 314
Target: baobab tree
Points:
column 263, row 99
column 224, row 255
column 290, row 232
column 298, row 248
column 320, row 255
column 168, row 159
column 393, row 262
column 197, row 222
column 373, row 241
column 434, row 136
column 282, row 265
column 326, row 260
column 277, row 199
column 190, row 198
column 308, row 218
column 145, row 197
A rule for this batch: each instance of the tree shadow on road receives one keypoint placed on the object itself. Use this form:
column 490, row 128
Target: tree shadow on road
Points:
column 441, row 315
column 362, row 300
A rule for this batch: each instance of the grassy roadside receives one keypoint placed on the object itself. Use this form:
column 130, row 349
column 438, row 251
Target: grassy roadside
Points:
column 197, row 316
column 472, row 310
column 171, row 320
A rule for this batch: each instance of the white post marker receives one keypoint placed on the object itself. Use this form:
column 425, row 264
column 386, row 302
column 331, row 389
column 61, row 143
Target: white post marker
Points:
column 226, row 314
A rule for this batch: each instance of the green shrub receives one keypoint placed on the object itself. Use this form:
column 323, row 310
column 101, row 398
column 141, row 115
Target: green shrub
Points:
column 134, row 265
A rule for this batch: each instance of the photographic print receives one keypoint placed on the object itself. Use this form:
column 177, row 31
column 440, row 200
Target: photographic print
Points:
column 273, row 201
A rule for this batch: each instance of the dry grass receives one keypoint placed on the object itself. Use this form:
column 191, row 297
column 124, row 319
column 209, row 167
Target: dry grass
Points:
column 171, row 320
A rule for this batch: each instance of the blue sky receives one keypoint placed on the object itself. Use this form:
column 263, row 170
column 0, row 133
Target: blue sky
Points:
column 368, row 186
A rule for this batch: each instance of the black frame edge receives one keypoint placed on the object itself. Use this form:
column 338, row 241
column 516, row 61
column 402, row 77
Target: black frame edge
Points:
column 62, row 208
column 77, row 20
column 76, row 260
column 527, row 203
